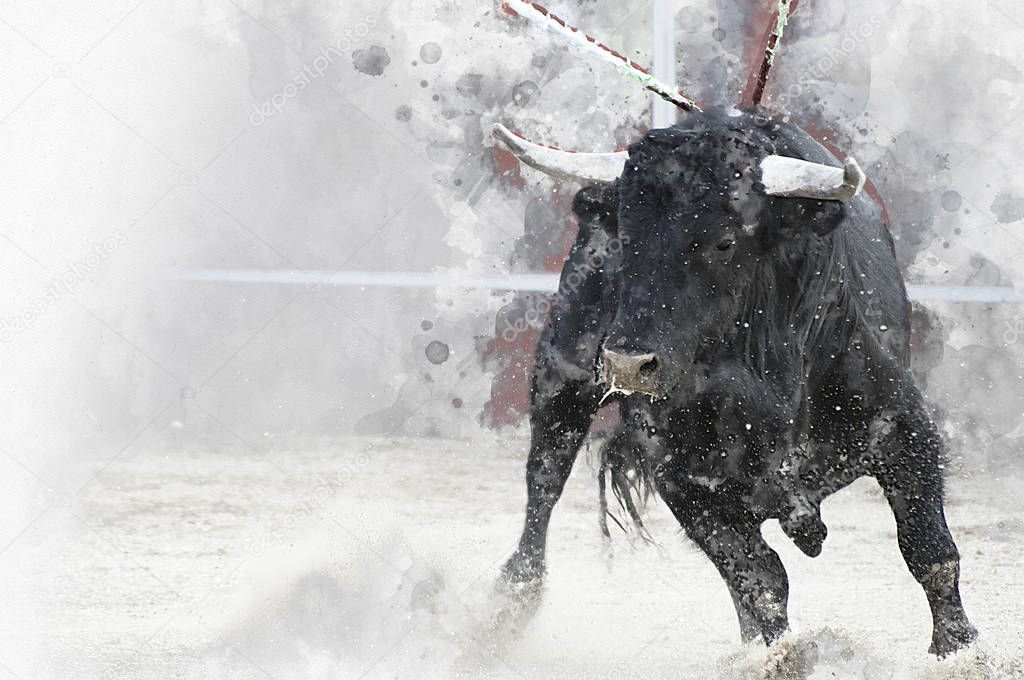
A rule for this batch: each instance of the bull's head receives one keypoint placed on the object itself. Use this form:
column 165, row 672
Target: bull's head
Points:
column 703, row 209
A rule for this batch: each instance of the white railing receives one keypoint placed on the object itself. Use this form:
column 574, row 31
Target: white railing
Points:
column 539, row 283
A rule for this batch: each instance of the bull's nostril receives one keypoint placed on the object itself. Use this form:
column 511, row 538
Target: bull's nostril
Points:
column 630, row 372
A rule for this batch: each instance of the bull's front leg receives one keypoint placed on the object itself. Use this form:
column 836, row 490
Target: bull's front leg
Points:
column 732, row 540
column 565, row 394
column 560, row 416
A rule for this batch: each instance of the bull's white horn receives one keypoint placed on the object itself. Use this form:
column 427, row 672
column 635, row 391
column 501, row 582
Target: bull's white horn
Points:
column 794, row 178
column 582, row 167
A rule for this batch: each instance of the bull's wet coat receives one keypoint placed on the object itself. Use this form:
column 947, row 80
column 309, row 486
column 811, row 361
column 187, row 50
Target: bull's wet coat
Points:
column 774, row 333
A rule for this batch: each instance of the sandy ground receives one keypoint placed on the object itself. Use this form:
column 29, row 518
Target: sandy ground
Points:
column 377, row 559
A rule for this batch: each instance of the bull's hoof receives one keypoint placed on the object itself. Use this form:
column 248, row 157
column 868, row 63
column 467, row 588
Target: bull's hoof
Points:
column 806, row 530
column 518, row 594
column 522, row 572
column 952, row 637
column 522, row 581
column 789, row 658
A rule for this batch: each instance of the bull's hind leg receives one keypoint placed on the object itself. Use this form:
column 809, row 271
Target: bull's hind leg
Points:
column 560, row 416
column 912, row 482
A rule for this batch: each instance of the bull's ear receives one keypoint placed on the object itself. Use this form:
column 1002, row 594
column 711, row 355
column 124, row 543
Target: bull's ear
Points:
column 795, row 217
column 598, row 202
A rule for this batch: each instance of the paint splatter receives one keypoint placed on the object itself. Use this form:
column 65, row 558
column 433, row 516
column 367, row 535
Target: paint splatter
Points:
column 470, row 84
column 1008, row 208
column 525, row 91
column 437, row 352
column 372, row 61
column 951, row 201
column 430, row 53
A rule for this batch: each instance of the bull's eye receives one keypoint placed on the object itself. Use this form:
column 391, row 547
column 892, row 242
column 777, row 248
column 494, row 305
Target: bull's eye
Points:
column 726, row 244
column 723, row 249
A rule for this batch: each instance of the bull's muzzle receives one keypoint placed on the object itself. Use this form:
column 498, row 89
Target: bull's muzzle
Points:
column 630, row 372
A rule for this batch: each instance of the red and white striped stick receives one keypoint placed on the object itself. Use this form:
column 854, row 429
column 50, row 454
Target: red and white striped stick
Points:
column 539, row 15
column 783, row 10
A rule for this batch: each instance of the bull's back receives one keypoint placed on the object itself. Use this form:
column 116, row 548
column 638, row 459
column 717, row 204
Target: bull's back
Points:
column 863, row 251
column 879, row 291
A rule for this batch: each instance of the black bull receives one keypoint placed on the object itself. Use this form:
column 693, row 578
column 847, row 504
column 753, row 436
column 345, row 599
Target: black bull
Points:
column 758, row 347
